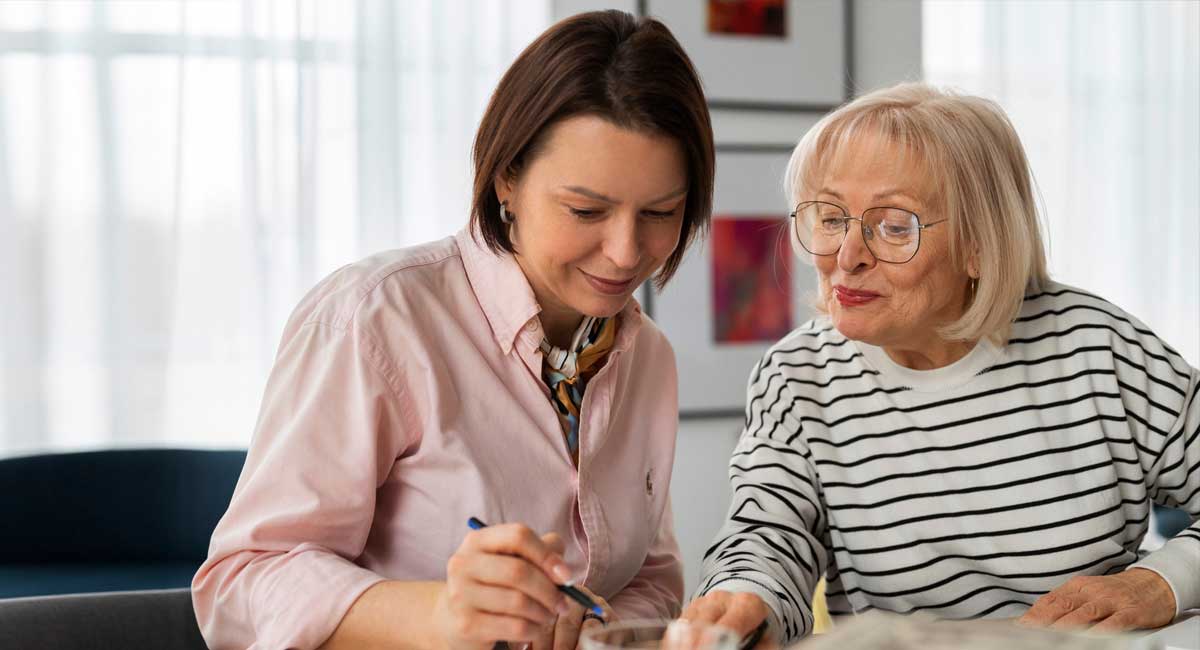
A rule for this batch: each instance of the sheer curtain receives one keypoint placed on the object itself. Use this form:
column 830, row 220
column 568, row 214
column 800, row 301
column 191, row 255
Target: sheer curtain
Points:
column 1106, row 98
column 174, row 175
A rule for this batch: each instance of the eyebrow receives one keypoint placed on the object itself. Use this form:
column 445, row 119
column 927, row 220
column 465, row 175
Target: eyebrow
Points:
column 891, row 191
column 600, row 197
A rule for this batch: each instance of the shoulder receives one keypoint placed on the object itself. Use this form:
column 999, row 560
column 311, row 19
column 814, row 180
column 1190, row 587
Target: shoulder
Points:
column 811, row 357
column 1070, row 320
column 810, row 346
column 652, row 346
column 388, row 281
column 1063, row 305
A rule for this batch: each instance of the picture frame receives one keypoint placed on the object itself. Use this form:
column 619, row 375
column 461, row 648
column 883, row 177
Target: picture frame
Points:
column 751, row 131
column 795, row 69
column 713, row 373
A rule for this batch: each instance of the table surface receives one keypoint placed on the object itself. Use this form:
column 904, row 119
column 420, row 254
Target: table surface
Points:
column 1183, row 634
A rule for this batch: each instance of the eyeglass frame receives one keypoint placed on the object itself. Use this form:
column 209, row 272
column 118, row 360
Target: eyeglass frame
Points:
column 847, row 218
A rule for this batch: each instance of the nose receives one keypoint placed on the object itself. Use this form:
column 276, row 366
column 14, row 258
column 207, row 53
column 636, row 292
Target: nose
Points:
column 622, row 243
column 854, row 254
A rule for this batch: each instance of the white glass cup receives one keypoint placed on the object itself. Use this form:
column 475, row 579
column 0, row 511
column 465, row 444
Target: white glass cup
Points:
column 659, row 634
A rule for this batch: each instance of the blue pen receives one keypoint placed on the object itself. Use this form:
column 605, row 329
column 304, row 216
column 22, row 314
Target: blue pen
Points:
column 572, row 592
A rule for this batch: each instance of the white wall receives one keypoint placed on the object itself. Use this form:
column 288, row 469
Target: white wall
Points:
column 887, row 50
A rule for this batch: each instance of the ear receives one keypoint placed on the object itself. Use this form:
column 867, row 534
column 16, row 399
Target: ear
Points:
column 504, row 185
column 973, row 264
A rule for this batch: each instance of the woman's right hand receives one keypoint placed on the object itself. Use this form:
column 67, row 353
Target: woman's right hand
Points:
column 740, row 612
column 501, row 585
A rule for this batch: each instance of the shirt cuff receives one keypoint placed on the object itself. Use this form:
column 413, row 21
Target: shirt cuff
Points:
column 302, row 604
column 1177, row 563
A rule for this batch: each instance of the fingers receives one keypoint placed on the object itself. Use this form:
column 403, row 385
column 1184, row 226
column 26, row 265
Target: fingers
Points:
column 1113, row 603
column 1049, row 608
column 1058, row 603
column 706, row 609
column 484, row 627
column 544, row 639
column 507, row 602
column 509, row 573
column 744, row 613
column 740, row 612
column 1121, row 621
column 555, row 543
column 571, row 625
column 588, row 624
column 1090, row 612
column 519, row 540
column 566, row 630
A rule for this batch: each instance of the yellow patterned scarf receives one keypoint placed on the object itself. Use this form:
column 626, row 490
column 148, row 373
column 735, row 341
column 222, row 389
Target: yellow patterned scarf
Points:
column 567, row 372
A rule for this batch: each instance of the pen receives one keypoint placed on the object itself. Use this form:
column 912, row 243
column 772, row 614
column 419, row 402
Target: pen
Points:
column 754, row 638
column 575, row 594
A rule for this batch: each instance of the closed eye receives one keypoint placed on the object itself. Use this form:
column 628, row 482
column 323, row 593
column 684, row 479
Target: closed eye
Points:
column 583, row 213
column 660, row 214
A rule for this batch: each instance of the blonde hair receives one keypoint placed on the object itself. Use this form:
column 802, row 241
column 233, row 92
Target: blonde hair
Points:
column 978, row 179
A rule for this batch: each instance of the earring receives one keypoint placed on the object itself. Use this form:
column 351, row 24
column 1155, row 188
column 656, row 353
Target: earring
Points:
column 505, row 215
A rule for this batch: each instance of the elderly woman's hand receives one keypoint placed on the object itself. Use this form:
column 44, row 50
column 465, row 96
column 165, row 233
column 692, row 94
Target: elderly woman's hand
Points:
column 1133, row 599
column 740, row 612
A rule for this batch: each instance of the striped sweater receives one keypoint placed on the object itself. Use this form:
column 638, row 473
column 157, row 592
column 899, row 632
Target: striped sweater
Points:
column 966, row 491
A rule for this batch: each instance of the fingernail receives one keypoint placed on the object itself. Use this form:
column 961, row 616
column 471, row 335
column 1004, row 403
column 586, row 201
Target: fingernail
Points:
column 563, row 574
column 564, row 607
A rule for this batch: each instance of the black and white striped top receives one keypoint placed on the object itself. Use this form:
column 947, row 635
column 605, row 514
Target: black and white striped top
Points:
column 965, row 491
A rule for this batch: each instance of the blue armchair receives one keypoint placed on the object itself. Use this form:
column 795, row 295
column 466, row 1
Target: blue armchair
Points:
column 114, row 520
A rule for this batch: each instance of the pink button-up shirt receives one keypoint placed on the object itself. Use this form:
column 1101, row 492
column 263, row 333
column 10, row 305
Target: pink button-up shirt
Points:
column 406, row 397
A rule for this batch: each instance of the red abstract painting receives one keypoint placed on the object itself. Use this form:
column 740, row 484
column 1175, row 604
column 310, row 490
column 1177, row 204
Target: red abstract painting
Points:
column 751, row 279
column 747, row 17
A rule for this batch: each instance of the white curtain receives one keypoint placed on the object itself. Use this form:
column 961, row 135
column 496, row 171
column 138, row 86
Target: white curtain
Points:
column 174, row 175
column 1106, row 98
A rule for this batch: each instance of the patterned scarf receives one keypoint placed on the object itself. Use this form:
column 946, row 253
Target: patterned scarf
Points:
column 567, row 372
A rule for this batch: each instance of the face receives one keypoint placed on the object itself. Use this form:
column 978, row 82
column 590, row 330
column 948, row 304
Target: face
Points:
column 897, row 306
column 597, row 211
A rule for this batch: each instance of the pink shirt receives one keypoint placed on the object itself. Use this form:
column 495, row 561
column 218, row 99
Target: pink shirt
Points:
column 406, row 397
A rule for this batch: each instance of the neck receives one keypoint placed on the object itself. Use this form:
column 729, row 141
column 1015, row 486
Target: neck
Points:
column 560, row 325
column 929, row 357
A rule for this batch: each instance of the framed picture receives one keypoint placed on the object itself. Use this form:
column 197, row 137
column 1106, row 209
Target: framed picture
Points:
column 746, row 130
column 764, row 54
column 738, row 291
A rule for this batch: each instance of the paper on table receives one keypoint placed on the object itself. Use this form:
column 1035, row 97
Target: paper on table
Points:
column 879, row 631
column 1184, row 634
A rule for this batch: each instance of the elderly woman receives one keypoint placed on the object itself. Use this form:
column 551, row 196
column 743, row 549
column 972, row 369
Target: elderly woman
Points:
column 958, row 435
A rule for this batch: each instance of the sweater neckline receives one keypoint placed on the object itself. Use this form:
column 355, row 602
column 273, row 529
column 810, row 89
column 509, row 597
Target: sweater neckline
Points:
column 960, row 372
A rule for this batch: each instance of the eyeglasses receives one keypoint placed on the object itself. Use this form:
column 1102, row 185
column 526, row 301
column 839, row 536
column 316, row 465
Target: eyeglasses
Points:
column 892, row 235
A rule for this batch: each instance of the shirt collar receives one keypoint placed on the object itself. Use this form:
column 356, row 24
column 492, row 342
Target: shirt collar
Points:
column 500, row 287
column 508, row 301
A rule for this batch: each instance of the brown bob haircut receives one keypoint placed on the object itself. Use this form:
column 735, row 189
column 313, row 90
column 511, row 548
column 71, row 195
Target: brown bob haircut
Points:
column 629, row 71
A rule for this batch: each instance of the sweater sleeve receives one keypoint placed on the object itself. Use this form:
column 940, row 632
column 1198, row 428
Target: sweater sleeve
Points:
column 1159, row 393
column 770, row 542
column 280, row 571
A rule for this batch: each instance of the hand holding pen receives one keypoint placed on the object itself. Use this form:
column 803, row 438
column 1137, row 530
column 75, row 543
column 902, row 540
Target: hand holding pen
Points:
column 568, row 586
column 502, row 583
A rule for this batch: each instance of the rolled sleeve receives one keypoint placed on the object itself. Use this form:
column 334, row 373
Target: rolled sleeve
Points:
column 280, row 571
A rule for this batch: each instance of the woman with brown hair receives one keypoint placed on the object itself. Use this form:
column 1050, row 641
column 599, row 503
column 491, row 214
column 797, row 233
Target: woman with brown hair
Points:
column 506, row 373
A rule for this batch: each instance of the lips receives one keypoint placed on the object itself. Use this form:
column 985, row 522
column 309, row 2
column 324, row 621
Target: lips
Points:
column 853, row 297
column 608, row 286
